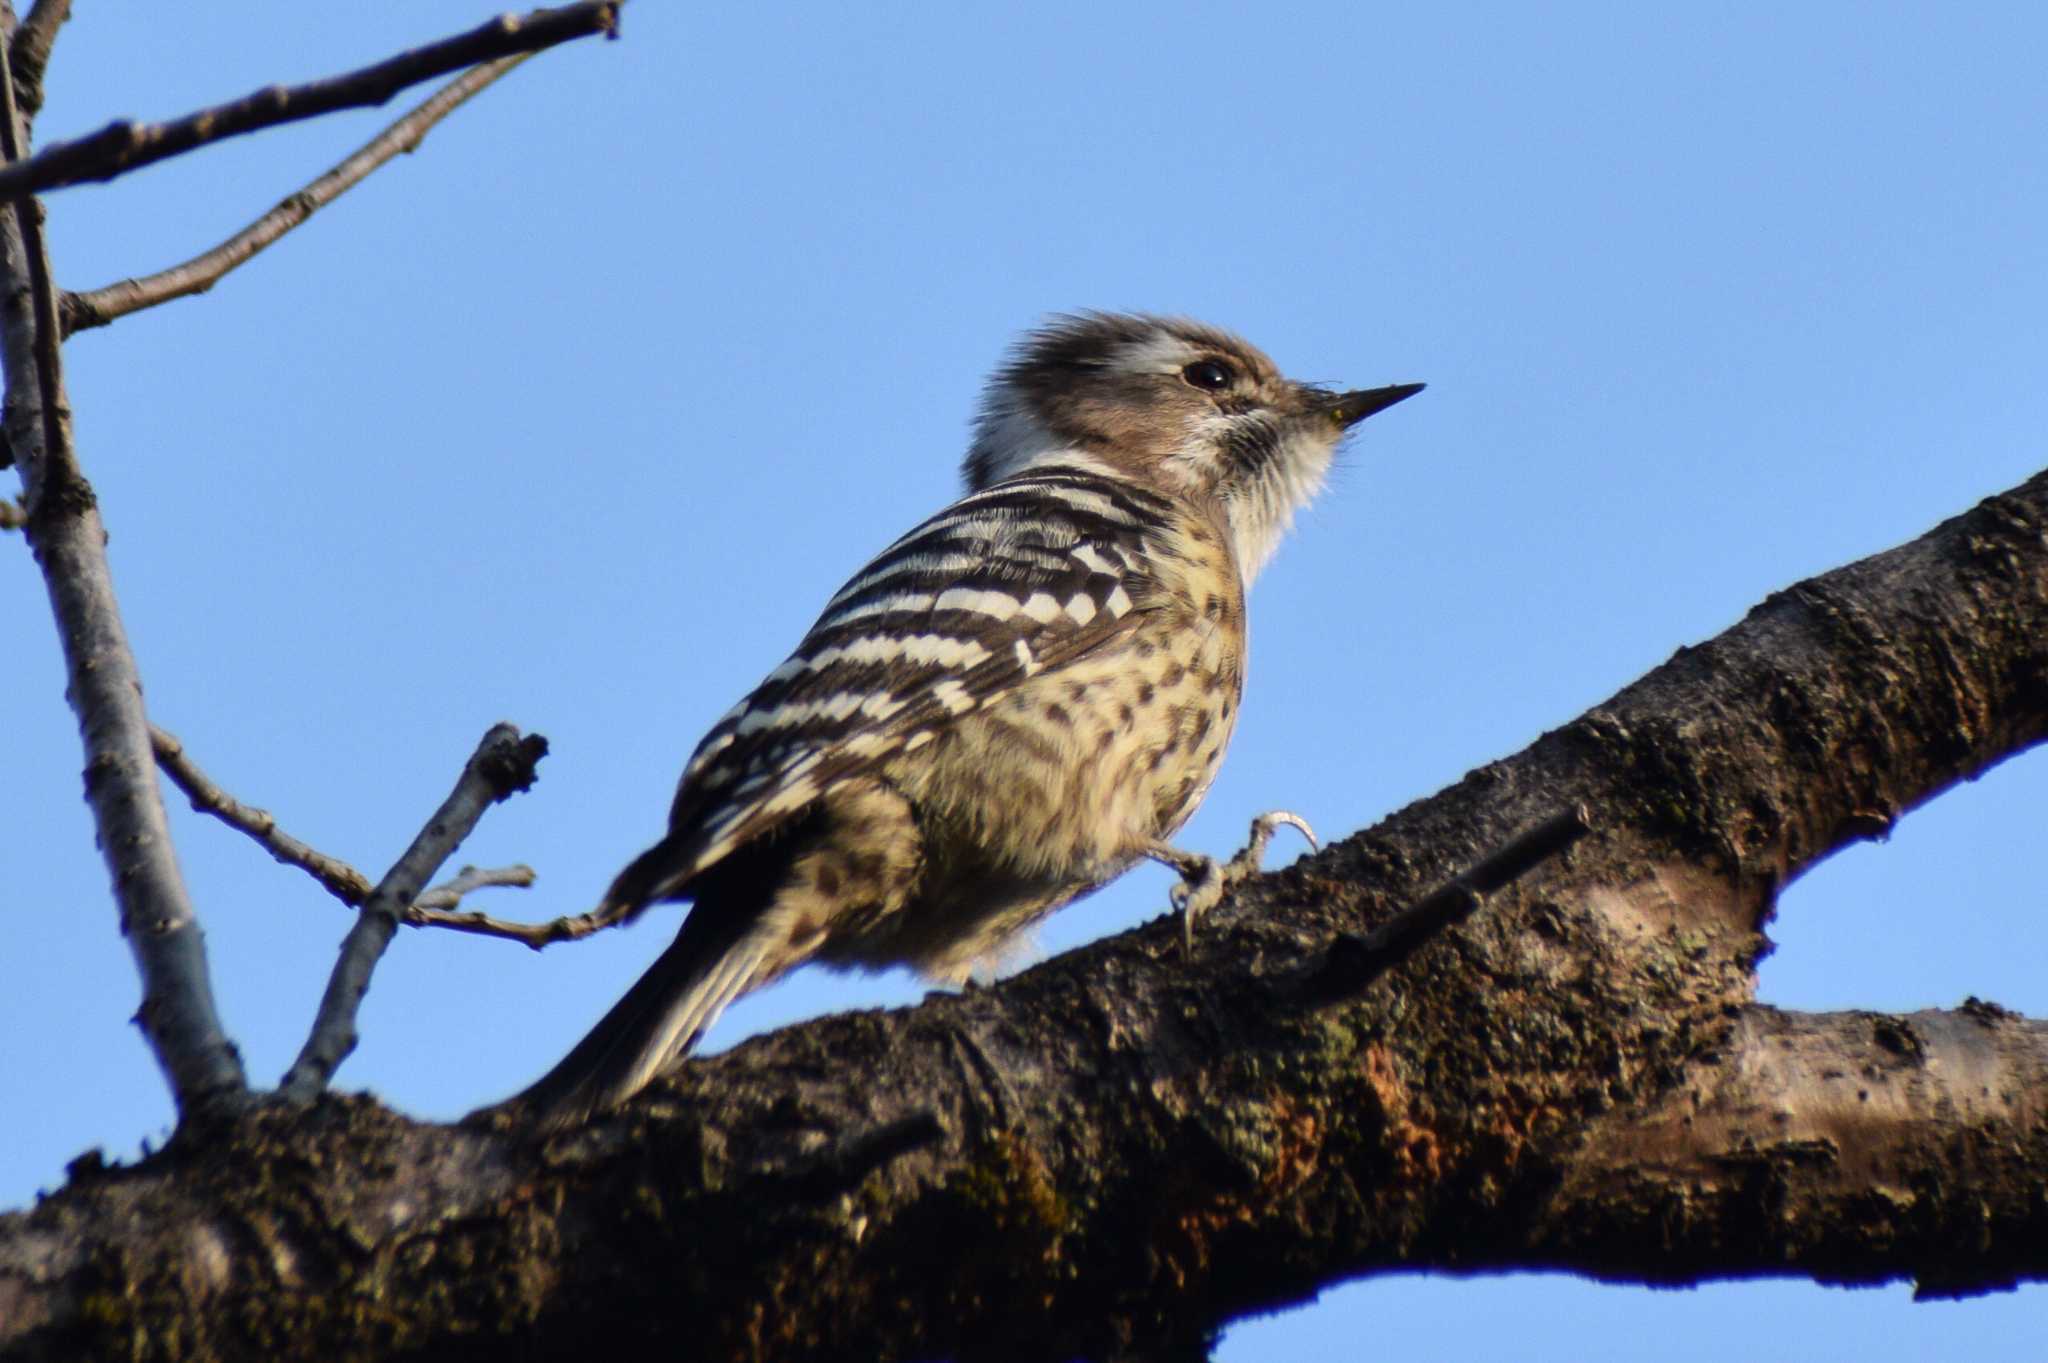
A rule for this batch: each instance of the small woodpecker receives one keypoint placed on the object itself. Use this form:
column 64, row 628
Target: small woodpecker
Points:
column 1008, row 708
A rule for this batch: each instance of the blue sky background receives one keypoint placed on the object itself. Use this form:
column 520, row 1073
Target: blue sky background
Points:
column 576, row 417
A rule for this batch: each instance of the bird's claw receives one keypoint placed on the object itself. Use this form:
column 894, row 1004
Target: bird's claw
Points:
column 1263, row 829
column 1204, row 881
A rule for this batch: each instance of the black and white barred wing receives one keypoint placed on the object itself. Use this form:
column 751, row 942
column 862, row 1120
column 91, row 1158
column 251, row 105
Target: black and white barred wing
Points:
column 1023, row 576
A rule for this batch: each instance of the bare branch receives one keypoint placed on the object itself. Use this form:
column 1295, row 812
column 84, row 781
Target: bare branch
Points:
column 436, row 908
column 12, row 517
column 125, row 145
column 30, row 52
column 450, row 892
column 502, row 765
column 341, row 880
column 571, row 928
column 98, row 307
column 105, row 689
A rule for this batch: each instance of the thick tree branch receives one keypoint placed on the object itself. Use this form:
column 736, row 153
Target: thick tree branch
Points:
column 502, row 765
column 64, row 530
column 1832, row 1140
column 124, row 146
column 97, row 307
column 1118, row 1151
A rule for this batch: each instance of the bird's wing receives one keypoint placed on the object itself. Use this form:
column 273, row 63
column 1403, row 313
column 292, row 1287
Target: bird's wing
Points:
column 1023, row 576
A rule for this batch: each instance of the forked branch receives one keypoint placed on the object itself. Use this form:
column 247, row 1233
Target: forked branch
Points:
column 435, row 908
column 502, row 765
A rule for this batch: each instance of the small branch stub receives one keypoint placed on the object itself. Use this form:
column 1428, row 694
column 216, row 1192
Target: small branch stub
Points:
column 1355, row 960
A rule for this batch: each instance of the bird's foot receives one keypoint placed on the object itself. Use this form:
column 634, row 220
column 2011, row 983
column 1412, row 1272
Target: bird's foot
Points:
column 1204, row 880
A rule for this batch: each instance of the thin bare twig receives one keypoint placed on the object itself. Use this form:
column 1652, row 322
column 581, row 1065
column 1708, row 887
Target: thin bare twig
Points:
column 437, row 909
column 98, row 307
column 502, row 765
column 30, row 51
column 177, row 1015
column 124, row 145
column 569, row 928
column 341, row 880
column 450, row 892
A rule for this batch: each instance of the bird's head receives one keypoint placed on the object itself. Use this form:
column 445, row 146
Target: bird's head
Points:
column 1174, row 405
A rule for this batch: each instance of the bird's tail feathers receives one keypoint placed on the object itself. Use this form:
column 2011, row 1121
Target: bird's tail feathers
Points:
column 660, row 1019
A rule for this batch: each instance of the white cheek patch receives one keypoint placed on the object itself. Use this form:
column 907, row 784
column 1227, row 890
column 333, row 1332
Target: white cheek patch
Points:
column 1260, row 512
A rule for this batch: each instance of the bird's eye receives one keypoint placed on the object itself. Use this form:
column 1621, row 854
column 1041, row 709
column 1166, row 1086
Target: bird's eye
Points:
column 1209, row 375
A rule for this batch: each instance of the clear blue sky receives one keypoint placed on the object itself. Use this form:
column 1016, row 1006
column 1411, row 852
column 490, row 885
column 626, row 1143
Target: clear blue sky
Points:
column 576, row 417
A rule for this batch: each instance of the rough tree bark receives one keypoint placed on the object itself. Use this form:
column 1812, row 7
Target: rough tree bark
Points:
column 1116, row 1152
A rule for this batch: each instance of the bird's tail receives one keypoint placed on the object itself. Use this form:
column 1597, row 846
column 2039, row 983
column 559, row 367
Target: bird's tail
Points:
column 660, row 1019
column 722, row 950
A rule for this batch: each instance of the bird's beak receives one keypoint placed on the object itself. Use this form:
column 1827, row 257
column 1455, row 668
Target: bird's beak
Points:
column 1351, row 408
